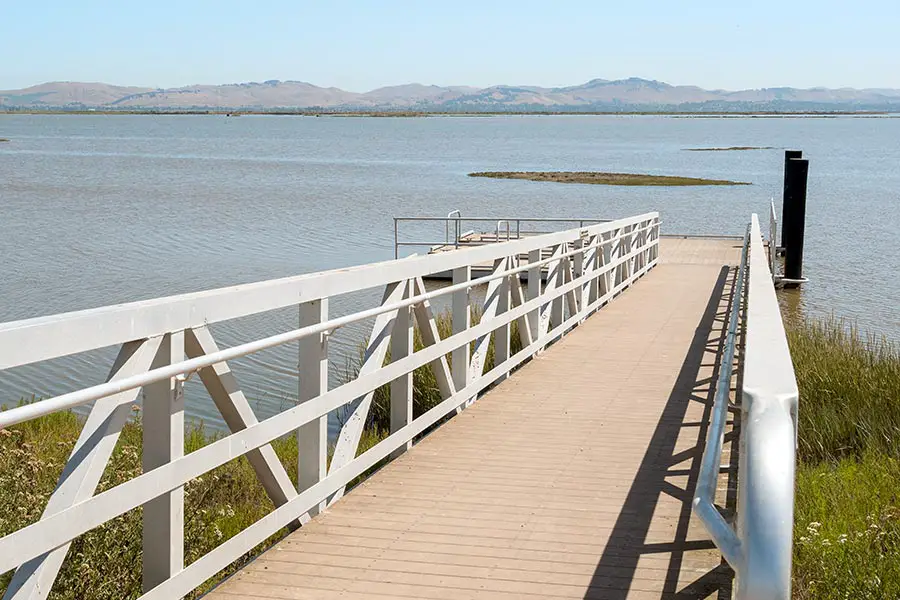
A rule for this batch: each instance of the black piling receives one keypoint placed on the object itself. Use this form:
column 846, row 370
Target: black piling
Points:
column 794, row 220
column 786, row 210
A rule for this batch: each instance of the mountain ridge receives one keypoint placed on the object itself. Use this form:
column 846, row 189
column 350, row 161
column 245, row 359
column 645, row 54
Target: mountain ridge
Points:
column 633, row 93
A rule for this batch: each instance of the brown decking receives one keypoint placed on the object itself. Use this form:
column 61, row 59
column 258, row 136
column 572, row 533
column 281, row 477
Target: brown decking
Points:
column 572, row 479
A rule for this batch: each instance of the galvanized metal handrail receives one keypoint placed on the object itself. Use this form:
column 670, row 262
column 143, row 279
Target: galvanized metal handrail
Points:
column 455, row 218
column 705, row 494
column 759, row 549
column 499, row 225
column 446, row 228
column 773, row 233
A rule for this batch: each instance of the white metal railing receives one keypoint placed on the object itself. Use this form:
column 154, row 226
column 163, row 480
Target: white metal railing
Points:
column 586, row 267
column 454, row 222
column 773, row 233
column 759, row 549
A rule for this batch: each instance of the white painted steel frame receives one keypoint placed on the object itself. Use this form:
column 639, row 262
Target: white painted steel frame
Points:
column 759, row 549
column 180, row 324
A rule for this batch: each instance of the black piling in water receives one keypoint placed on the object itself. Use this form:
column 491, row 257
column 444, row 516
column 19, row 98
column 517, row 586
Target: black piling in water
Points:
column 786, row 209
column 795, row 180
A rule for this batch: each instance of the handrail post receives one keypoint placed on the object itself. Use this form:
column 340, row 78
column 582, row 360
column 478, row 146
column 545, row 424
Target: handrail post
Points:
column 499, row 223
column 462, row 318
column 402, row 387
column 502, row 335
column 163, row 434
column 312, row 438
column 456, row 228
column 534, row 291
column 396, row 240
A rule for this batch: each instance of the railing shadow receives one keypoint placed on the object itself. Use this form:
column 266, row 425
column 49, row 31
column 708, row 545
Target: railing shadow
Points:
column 696, row 382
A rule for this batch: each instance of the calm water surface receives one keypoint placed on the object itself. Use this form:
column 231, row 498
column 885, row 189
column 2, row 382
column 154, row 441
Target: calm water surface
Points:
column 96, row 210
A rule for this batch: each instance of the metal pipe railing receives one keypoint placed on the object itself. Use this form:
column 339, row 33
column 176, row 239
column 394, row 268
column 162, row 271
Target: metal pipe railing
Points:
column 499, row 225
column 759, row 549
column 773, row 232
column 447, row 228
column 705, row 495
column 454, row 220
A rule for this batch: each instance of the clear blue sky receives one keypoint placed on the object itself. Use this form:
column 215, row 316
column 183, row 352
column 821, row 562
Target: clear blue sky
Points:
column 366, row 44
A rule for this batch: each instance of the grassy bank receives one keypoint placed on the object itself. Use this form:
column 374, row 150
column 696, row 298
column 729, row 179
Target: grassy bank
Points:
column 598, row 178
column 103, row 564
column 847, row 520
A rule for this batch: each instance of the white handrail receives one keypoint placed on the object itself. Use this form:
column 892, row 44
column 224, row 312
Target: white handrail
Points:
column 42, row 408
column 759, row 550
column 447, row 227
column 769, row 400
column 42, row 338
column 170, row 327
column 499, row 224
column 773, row 233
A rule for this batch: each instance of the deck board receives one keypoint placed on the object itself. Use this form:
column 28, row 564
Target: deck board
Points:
column 571, row 479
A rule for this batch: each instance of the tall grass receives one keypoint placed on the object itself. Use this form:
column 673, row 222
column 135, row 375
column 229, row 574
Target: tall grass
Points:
column 847, row 514
column 850, row 390
column 104, row 563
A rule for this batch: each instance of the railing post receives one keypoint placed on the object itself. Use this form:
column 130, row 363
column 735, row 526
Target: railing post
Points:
column 593, row 259
column 501, row 335
column 557, row 304
column 396, row 240
column 462, row 319
column 312, row 367
column 607, row 280
column 534, row 291
column 163, row 432
column 578, row 268
column 402, row 387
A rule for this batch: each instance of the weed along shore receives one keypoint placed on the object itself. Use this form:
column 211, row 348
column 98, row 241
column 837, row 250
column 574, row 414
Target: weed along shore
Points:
column 101, row 563
column 601, row 178
column 847, row 512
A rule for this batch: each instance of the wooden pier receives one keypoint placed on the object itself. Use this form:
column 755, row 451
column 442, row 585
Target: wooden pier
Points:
column 595, row 458
column 572, row 479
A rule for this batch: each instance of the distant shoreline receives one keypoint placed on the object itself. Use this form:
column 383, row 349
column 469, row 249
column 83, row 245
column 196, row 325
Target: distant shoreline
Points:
column 410, row 114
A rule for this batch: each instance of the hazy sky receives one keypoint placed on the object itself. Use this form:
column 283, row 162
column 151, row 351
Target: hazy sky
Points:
column 366, row 44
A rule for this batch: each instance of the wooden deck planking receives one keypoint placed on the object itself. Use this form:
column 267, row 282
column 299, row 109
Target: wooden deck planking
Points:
column 571, row 479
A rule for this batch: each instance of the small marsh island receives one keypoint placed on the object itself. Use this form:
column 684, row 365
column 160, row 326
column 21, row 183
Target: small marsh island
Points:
column 601, row 178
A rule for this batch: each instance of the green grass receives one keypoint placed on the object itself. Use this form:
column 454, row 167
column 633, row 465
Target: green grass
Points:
column 847, row 515
column 849, row 390
column 598, row 178
column 104, row 563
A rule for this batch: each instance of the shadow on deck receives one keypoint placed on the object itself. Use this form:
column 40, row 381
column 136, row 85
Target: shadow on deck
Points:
column 663, row 461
